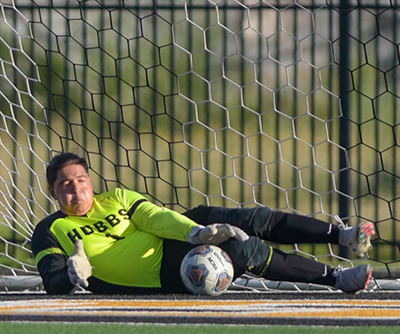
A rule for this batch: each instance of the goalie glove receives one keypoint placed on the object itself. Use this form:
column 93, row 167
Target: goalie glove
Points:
column 79, row 267
column 215, row 234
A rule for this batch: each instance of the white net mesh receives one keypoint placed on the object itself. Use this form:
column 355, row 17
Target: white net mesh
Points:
column 234, row 103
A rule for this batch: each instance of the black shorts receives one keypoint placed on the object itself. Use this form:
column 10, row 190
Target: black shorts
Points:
column 252, row 253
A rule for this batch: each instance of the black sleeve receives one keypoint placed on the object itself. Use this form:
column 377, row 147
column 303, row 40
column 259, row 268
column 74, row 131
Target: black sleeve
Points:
column 54, row 272
column 52, row 267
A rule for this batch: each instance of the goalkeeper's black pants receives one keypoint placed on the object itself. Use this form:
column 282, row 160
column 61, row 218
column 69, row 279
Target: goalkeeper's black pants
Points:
column 255, row 255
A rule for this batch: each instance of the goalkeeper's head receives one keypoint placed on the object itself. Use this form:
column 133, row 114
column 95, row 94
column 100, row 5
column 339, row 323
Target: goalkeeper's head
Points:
column 70, row 183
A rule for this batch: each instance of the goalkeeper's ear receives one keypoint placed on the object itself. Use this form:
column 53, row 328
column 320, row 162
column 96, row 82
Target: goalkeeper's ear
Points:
column 52, row 193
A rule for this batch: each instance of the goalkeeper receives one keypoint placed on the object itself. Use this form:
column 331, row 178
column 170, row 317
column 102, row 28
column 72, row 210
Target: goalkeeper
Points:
column 119, row 243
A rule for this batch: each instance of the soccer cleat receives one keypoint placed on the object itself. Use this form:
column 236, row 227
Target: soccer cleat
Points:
column 353, row 280
column 358, row 238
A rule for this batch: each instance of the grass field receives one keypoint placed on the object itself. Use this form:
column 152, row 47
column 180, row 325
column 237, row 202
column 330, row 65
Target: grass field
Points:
column 72, row 328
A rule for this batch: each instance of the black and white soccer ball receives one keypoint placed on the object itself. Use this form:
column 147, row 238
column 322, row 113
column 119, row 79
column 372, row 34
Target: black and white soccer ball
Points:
column 207, row 270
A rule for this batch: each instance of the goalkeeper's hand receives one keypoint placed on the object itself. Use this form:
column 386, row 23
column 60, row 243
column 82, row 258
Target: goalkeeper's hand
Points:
column 215, row 234
column 79, row 267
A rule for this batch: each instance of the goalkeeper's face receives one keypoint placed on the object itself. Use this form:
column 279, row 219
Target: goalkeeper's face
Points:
column 73, row 190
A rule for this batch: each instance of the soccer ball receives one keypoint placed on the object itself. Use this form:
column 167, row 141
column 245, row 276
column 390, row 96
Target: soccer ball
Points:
column 207, row 270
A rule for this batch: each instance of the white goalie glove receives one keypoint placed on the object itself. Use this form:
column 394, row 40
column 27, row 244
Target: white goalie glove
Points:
column 79, row 267
column 215, row 234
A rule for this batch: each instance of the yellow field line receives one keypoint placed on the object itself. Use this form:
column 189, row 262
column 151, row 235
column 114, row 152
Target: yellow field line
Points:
column 389, row 309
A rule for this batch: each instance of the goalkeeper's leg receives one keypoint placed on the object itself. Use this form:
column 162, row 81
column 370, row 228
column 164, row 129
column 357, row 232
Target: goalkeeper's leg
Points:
column 267, row 224
column 263, row 260
column 286, row 228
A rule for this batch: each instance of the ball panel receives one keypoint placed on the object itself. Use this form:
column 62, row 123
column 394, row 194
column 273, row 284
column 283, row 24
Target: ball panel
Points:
column 197, row 274
column 202, row 249
column 223, row 282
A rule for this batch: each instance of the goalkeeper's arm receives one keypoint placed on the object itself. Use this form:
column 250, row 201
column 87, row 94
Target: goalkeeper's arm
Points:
column 61, row 275
column 170, row 224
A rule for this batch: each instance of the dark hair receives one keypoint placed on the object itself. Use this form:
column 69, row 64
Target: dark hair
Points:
column 60, row 161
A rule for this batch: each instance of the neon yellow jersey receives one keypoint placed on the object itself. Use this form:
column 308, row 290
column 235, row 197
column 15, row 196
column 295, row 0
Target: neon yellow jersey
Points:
column 122, row 234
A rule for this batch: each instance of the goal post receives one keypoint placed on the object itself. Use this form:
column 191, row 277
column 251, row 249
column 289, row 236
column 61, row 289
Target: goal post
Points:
column 287, row 104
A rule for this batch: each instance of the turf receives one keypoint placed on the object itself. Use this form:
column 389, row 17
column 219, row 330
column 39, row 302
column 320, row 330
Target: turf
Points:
column 72, row 328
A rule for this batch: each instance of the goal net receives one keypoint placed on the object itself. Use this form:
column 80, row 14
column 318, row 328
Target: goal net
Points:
column 287, row 104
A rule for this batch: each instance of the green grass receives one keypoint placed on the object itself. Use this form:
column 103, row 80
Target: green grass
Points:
column 72, row 328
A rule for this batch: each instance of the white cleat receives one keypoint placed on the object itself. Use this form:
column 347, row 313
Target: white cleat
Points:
column 353, row 280
column 358, row 238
